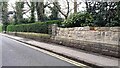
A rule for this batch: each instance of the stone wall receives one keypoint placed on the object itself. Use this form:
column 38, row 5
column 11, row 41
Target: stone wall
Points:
column 104, row 40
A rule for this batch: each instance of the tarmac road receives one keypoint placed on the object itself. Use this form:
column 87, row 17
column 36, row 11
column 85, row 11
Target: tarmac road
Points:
column 16, row 54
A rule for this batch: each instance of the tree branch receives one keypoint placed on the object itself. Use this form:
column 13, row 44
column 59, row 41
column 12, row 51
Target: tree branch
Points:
column 59, row 10
column 68, row 7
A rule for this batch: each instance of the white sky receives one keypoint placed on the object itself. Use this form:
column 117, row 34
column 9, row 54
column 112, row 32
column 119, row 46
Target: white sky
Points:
column 61, row 2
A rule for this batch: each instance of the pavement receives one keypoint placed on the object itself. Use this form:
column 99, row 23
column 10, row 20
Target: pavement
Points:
column 81, row 56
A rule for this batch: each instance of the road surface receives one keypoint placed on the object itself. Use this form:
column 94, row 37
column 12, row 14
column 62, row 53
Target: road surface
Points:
column 16, row 54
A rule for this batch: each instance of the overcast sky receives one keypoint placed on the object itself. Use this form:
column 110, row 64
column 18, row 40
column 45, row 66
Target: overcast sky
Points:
column 61, row 2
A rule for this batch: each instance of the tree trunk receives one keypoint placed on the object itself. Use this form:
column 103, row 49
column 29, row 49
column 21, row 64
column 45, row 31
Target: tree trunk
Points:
column 75, row 6
column 40, row 10
column 4, row 15
column 19, row 10
column 32, row 20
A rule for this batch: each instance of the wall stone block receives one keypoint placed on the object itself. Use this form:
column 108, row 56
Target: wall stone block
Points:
column 103, row 40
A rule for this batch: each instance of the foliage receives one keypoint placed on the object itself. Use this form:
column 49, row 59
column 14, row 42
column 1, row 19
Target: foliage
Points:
column 23, row 21
column 34, row 27
column 118, row 11
column 0, row 28
column 58, row 22
column 78, row 19
column 38, row 27
column 104, row 13
column 113, row 23
column 26, row 21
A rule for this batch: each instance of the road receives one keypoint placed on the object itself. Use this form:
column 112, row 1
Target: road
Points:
column 16, row 54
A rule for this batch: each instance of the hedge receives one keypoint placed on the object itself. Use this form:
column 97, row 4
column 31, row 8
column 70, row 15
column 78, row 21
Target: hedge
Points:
column 37, row 27
column 0, row 28
column 58, row 22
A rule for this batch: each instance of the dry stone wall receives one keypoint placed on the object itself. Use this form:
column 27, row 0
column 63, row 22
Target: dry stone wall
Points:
column 108, row 35
column 103, row 40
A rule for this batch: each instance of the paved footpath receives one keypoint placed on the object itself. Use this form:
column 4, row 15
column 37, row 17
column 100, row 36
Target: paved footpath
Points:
column 97, row 60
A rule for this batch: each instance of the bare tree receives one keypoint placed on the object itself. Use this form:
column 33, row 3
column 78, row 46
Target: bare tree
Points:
column 32, row 10
column 40, row 10
column 19, row 12
column 5, row 14
column 75, row 6
column 68, row 9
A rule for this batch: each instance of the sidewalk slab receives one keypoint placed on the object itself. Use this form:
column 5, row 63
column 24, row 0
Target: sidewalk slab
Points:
column 82, row 56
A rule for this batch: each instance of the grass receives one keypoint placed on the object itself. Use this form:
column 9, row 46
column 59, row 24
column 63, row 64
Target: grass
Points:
column 35, row 34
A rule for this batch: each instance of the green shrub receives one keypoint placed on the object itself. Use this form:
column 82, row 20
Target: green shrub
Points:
column 11, row 28
column 58, row 22
column 78, row 19
column 38, row 27
column 0, row 28
column 113, row 23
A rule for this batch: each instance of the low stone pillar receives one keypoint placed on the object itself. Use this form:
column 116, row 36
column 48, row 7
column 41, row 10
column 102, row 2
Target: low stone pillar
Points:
column 54, row 30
